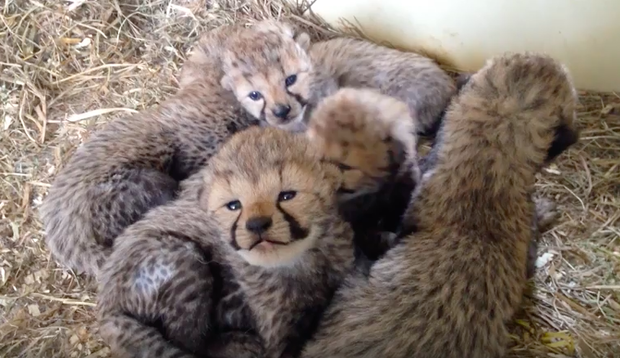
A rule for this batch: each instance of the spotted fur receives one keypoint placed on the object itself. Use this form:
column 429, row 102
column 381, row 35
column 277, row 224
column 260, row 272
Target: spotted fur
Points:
column 251, row 251
column 412, row 78
column 134, row 164
column 371, row 137
column 265, row 66
column 546, row 210
column 449, row 289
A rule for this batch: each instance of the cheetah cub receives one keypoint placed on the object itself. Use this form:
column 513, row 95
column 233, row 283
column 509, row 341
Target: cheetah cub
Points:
column 240, row 265
column 371, row 138
column 449, row 289
column 546, row 210
column 265, row 67
column 281, row 88
column 137, row 163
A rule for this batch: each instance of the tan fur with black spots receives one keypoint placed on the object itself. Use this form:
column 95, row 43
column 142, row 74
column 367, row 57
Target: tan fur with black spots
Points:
column 450, row 288
column 241, row 265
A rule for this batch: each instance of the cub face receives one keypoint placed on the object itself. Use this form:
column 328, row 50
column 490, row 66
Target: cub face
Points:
column 269, row 71
column 270, row 195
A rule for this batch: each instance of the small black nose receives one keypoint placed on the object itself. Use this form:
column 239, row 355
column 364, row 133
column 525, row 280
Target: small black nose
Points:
column 258, row 225
column 282, row 110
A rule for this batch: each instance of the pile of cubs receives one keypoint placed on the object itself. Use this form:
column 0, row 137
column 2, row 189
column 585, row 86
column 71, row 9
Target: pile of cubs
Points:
column 276, row 205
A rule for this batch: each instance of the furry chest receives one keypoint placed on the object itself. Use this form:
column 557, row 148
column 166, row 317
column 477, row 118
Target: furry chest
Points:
column 231, row 312
column 286, row 312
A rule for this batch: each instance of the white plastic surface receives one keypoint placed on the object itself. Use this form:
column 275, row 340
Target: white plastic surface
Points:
column 584, row 34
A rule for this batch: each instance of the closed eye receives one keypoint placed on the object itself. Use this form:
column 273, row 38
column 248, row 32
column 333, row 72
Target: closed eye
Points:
column 343, row 190
column 345, row 167
column 340, row 165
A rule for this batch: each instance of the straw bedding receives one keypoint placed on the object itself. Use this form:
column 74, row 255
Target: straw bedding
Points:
column 69, row 67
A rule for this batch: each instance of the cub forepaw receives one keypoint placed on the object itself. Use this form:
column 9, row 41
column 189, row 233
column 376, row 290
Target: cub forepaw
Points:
column 364, row 130
column 546, row 213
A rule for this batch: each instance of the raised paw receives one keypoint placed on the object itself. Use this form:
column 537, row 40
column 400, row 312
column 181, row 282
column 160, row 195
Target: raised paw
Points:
column 545, row 216
column 370, row 136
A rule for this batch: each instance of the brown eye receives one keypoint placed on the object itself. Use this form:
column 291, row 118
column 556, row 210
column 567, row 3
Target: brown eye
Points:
column 286, row 195
column 233, row 205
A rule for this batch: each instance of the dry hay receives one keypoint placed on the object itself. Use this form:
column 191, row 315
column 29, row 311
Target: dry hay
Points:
column 70, row 67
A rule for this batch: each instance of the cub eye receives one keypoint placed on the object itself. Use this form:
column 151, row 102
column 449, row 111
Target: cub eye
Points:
column 234, row 205
column 344, row 167
column 343, row 190
column 255, row 96
column 290, row 80
column 286, row 195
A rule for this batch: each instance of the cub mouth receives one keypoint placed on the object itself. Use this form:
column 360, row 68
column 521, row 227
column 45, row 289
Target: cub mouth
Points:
column 293, row 124
column 262, row 240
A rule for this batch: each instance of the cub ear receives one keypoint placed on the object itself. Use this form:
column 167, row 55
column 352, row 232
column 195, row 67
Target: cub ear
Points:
column 227, row 83
column 461, row 80
column 303, row 39
column 565, row 137
column 201, row 184
column 194, row 188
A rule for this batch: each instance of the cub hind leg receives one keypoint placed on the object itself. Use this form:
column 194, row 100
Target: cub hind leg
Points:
column 156, row 298
column 546, row 215
column 82, row 220
column 235, row 345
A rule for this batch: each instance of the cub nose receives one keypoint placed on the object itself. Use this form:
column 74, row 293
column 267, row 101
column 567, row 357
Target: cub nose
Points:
column 258, row 225
column 281, row 110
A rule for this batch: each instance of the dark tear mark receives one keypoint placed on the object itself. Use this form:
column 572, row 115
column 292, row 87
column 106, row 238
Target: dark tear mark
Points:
column 298, row 98
column 233, row 233
column 297, row 231
column 279, row 60
column 262, row 111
